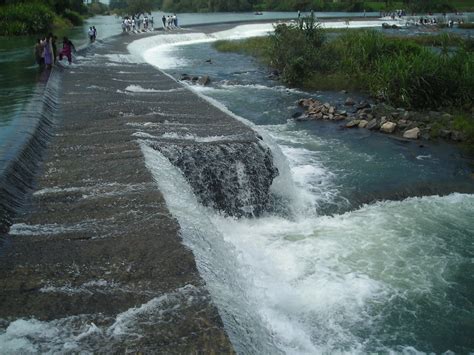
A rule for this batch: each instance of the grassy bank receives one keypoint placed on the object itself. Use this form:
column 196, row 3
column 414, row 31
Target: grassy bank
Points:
column 424, row 73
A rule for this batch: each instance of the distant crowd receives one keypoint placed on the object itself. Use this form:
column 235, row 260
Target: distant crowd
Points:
column 137, row 23
column 143, row 23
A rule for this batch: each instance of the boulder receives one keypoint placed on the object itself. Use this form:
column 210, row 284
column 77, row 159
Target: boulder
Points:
column 373, row 124
column 457, row 136
column 352, row 124
column 184, row 77
column 362, row 105
column 388, row 127
column 363, row 123
column 349, row 102
column 445, row 133
column 204, row 80
column 413, row 133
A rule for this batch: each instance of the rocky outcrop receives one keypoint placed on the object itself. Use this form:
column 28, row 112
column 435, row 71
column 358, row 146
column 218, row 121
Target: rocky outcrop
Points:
column 194, row 79
column 384, row 118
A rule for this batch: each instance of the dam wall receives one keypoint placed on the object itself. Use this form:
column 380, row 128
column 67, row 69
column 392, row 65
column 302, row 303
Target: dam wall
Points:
column 93, row 256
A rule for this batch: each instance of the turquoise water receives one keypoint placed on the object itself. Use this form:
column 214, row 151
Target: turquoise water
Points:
column 343, row 261
column 19, row 74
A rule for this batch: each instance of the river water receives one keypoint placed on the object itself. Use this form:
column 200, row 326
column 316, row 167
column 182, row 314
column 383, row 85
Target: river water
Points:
column 333, row 266
column 330, row 268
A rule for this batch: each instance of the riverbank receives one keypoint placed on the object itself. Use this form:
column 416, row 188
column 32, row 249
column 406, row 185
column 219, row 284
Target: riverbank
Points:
column 305, row 58
column 96, row 257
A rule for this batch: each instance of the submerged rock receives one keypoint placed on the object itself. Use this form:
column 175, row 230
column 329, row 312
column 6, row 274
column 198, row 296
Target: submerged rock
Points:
column 204, row 80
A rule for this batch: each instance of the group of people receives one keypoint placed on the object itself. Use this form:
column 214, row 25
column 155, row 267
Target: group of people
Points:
column 170, row 22
column 92, row 33
column 144, row 23
column 46, row 53
column 137, row 23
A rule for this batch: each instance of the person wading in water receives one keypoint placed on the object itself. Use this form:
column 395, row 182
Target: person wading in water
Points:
column 68, row 47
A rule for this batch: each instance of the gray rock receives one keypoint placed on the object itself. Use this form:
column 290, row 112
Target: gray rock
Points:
column 363, row 123
column 388, row 127
column 373, row 124
column 204, row 80
column 457, row 136
column 352, row 124
column 445, row 133
column 349, row 102
column 413, row 133
column 363, row 105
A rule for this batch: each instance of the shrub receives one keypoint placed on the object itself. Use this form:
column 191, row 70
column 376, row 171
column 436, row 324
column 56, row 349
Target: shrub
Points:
column 294, row 49
column 25, row 18
column 73, row 16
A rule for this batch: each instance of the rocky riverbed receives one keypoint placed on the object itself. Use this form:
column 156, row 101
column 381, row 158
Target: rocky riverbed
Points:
column 382, row 117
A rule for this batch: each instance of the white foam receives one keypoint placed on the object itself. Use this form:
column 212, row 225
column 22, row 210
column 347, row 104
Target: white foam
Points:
column 315, row 282
column 79, row 334
column 138, row 88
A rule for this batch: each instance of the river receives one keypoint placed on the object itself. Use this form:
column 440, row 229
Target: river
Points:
column 336, row 264
column 329, row 267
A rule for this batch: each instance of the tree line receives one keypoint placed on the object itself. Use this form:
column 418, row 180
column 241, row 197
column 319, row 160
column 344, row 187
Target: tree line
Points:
column 21, row 17
column 277, row 5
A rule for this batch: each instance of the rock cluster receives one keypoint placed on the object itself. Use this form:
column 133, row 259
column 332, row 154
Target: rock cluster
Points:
column 382, row 117
column 194, row 79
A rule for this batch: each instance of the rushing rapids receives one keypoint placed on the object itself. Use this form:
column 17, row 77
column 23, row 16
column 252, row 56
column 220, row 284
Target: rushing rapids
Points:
column 304, row 269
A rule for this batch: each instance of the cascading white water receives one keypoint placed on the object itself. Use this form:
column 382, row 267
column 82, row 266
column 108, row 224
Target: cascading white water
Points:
column 294, row 281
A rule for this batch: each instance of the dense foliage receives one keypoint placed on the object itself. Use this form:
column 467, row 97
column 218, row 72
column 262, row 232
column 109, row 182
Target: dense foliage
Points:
column 25, row 18
column 293, row 5
column 401, row 71
column 20, row 17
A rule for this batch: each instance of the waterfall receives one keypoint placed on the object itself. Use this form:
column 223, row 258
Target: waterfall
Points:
column 231, row 177
column 24, row 150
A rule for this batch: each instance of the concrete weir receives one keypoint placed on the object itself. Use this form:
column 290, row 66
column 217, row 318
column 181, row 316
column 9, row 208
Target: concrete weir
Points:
column 95, row 254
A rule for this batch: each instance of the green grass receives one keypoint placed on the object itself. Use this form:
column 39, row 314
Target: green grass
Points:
column 402, row 70
column 256, row 46
column 465, row 123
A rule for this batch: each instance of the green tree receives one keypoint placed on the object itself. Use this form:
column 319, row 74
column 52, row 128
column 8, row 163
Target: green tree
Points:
column 136, row 7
